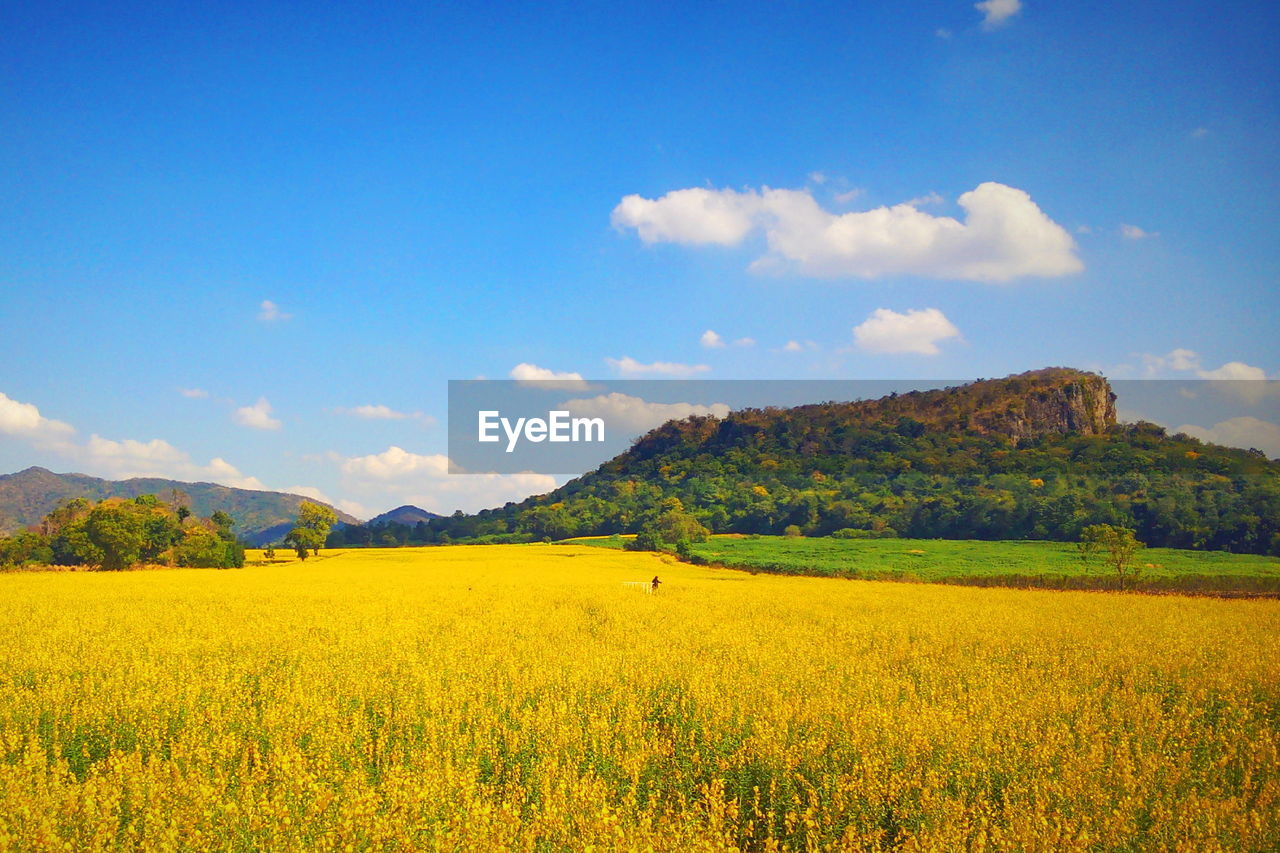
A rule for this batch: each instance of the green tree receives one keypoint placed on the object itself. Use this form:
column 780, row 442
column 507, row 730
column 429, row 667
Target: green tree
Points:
column 1121, row 547
column 117, row 529
column 311, row 529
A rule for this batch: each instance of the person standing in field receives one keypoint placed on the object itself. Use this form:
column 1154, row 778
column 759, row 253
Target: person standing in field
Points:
column 653, row 585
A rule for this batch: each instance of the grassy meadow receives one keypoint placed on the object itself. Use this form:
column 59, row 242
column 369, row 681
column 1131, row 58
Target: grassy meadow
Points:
column 1053, row 565
column 524, row 698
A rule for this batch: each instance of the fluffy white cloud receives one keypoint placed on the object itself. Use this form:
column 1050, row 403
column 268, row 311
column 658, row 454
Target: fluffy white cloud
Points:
column 156, row 458
column 711, row 340
column 546, row 377
column 636, row 415
column 1184, row 360
column 106, row 457
column 257, row 416
column 797, row 346
column 376, row 413
column 1004, row 235
column 193, row 393
column 917, row 331
column 996, row 13
column 269, row 312
column 1133, row 232
column 628, row 366
column 1246, row 431
column 425, row 481
column 25, row 421
column 744, row 342
column 1233, row 370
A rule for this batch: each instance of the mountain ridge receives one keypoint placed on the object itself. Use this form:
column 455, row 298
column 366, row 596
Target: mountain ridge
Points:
column 261, row 516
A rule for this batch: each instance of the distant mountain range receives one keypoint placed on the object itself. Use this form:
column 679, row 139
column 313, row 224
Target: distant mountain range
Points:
column 261, row 517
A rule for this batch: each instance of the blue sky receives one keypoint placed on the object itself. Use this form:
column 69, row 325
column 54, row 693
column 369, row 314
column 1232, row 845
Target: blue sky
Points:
column 422, row 194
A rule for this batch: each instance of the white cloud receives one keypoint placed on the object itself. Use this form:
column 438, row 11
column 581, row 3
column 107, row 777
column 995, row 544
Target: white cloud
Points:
column 193, row 393
column 636, row 415
column 711, row 340
column 1133, row 232
column 106, row 457
column 797, row 346
column 744, row 342
column 376, row 413
column 257, row 416
column 942, row 33
column 424, row 480
column 269, row 312
column 817, row 178
column 309, row 492
column 927, row 198
column 1233, row 370
column 157, row 458
column 547, row 378
column 628, row 366
column 848, row 195
column 384, row 413
column 996, row 13
column 1243, row 431
column 1200, row 133
column 1084, row 229
column 1184, row 360
column 917, row 331
column 1004, row 236
column 25, row 421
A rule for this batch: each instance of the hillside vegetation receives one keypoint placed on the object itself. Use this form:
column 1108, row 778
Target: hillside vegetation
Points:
column 1035, row 456
column 261, row 517
column 523, row 698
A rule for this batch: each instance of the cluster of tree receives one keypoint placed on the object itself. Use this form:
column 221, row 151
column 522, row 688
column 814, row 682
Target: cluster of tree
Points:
column 762, row 472
column 672, row 529
column 117, row 533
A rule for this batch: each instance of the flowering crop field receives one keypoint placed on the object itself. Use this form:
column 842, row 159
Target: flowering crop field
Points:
column 524, row 698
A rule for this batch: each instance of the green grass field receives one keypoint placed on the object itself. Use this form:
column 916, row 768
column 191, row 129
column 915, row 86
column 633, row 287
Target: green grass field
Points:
column 1054, row 565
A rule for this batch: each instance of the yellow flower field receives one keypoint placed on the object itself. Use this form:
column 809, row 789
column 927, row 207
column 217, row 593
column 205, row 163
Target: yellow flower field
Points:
column 524, row 698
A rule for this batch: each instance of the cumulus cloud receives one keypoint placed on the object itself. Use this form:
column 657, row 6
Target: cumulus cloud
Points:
column 797, row 346
column 424, row 480
column 157, row 458
column 24, row 420
column 1245, row 431
column 1233, row 370
column 917, row 331
column 1133, row 232
column 996, row 13
column 269, row 312
column 628, row 366
column 257, row 416
column 711, row 340
column 193, row 393
column 1182, row 360
column 636, row 415
column 106, row 457
column 744, row 342
column 1005, row 235
column 546, row 377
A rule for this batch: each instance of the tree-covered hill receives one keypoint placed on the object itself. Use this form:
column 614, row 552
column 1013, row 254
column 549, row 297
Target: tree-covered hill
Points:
column 1034, row 456
column 28, row 496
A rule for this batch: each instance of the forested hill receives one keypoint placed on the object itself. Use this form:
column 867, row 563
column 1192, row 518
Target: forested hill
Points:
column 1038, row 455
column 28, row 496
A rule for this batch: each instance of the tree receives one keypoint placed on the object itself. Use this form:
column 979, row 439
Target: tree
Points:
column 304, row 540
column 117, row 530
column 1121, row 546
